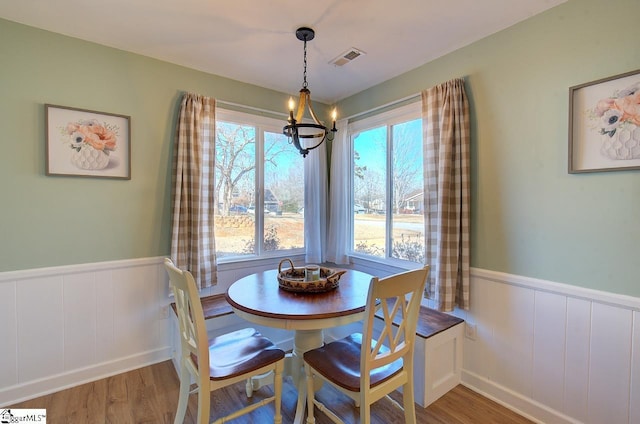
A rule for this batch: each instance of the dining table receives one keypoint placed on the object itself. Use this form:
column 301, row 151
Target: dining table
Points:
column 258, row 298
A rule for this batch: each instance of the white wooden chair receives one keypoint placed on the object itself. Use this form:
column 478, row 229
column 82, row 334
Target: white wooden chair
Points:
column 221, row 361
column 383, row 365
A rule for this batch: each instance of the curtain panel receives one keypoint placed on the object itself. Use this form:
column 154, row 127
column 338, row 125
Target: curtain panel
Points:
column 445, row 123
column 315, row 207
column 192, row 237
column 338, row 235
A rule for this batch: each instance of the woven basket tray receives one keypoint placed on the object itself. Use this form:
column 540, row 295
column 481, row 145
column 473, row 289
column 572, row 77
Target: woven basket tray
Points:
column 293, row 279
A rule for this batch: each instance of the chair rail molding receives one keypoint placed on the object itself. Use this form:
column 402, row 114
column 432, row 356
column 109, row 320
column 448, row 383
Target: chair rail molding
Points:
column 600, row 296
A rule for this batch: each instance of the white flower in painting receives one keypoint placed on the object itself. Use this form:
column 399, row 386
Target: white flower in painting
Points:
column 77, row 138
column 610, row 121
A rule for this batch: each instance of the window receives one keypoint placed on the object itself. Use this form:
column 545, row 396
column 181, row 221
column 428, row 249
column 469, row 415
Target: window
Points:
column 259, row 188
column 387, row 185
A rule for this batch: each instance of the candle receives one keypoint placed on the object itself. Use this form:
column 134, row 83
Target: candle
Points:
column 312, row 273
column 292, row 105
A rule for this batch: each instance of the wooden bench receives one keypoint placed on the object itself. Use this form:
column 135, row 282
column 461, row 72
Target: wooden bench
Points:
column 437, row 354
column 213, row 306
column 430, row 322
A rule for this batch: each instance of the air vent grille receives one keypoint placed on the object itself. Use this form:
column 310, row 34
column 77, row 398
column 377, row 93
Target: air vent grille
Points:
column 352, row 55
column 347, row 56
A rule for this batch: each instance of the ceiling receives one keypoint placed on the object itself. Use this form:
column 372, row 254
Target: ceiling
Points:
column 255, row 42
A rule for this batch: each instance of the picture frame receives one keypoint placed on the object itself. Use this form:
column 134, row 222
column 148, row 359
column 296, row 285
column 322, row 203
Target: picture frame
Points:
column 604, row 124
column 87, row 143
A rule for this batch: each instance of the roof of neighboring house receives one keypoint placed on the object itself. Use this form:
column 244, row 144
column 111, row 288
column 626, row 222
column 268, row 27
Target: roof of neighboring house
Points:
column 269, row 196
column 415, row 195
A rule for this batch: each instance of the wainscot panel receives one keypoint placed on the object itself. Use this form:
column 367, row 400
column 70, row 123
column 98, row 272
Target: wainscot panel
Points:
column 555, row 353
column 64, row 326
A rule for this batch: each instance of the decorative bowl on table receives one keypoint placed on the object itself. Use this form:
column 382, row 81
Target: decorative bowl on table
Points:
column 308, row 279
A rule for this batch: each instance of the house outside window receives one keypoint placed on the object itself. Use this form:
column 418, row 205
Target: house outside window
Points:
column 387, row 185
column 259, row 188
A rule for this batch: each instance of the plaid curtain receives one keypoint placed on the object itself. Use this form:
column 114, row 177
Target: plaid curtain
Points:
column 445, row 122
column 192, row 239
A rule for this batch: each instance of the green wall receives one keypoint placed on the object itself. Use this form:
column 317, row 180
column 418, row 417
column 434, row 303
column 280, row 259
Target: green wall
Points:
column 53, row 220
column 529, row 216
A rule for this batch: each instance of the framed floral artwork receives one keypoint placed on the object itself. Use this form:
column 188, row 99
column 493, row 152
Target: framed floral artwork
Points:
column 604, row 124
column 87, row 143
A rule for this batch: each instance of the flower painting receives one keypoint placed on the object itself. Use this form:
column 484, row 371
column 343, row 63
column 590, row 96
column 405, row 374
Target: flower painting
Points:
column 92, row 143
column 604, row 132
column 87, row 143
column 618, row 121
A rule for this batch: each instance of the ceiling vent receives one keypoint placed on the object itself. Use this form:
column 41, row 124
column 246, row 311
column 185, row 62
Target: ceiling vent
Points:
column 347, row 57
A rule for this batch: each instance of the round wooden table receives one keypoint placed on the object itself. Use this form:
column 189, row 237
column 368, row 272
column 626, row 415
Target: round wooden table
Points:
column 259, row 299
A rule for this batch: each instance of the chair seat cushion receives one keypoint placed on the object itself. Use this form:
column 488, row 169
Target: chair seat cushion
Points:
column 240, row 352
column 339, row 362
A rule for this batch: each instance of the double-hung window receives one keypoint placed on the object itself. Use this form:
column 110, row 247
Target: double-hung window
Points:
column 387, row 185
column 259, row 188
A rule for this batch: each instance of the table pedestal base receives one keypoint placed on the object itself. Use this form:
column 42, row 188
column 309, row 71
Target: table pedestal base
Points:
column 303, row 341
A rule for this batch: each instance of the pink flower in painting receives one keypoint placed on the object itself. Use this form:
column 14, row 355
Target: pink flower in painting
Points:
column 624, row 108
column 629, row 106
column 92, row 133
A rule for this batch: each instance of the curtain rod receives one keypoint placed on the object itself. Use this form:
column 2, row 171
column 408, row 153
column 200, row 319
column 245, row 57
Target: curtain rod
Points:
column 256, row 109
column 395, row 102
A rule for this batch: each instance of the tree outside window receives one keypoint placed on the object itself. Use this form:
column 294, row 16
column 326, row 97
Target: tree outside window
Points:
column 253, row 157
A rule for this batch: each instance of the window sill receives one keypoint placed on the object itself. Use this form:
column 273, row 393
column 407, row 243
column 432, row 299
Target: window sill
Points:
column 383, row 265
column 266, row 261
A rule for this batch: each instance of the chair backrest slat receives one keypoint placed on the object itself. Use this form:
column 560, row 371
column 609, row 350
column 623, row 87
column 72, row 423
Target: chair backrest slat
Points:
column 397, row 296
column 193, row 330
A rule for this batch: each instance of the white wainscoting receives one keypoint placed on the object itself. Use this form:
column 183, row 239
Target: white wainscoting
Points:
column 63, row 326
column 68, row 325
column 553, row 352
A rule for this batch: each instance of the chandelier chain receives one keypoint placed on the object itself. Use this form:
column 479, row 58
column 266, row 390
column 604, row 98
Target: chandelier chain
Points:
column 304, row 82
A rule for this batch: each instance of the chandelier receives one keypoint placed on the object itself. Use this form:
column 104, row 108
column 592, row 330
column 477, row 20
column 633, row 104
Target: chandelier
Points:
column 306, row 136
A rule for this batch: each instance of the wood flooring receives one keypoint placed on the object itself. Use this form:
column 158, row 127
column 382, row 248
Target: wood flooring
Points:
column 150, row 395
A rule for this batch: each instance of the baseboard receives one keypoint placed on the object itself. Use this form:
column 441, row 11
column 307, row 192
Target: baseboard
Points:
column 516, row 402
column 36, row 388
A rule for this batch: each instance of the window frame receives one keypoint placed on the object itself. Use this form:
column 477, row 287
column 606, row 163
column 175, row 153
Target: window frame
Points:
column 387, row 118
column 262, row 124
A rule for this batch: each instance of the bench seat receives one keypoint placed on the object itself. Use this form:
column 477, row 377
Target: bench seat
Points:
column 438, row 354
column 213, row 306
column 430, row 322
